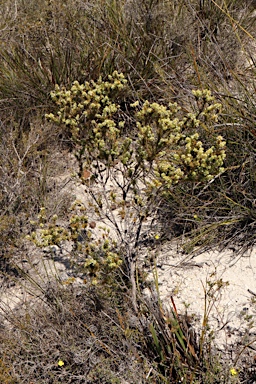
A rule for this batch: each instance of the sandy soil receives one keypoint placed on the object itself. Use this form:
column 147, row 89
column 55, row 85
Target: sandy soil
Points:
column 221, row 284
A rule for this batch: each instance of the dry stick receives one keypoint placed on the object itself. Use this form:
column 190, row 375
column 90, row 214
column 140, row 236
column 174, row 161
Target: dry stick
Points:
column 251, row 292
column 249, row 345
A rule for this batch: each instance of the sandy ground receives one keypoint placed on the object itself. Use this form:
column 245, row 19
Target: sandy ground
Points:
column 221, row 284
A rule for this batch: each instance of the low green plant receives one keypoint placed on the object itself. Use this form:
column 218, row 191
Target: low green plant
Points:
column 174, row 345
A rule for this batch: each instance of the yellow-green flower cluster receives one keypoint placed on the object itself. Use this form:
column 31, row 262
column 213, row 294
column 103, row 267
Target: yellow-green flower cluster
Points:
column 49, row 234
column 204, row 94
column 101, row 259
column 100, row 256
column 77, row 224
column 86, row 101
column 161, row 142
column 175, row 155
column 158, row 130
column 88, row 111
column 198, row 162
column 167, row 174
column 92, row 265
column 207, row 111
column 113, row 260
column 53, row 235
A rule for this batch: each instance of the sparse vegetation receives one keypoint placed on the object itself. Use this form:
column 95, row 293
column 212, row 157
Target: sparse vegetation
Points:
column 151, row 103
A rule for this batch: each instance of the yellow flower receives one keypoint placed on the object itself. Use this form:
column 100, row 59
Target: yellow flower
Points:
column 60, row 363
column 157, row 236
column 233, row 372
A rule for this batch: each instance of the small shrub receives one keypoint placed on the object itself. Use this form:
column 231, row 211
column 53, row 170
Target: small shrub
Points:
column 162, row 150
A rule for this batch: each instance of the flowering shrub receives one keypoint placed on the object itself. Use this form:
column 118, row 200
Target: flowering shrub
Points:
column 161, row 150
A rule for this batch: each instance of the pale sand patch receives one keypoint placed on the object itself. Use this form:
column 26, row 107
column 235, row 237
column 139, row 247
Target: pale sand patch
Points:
column 186, row 279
